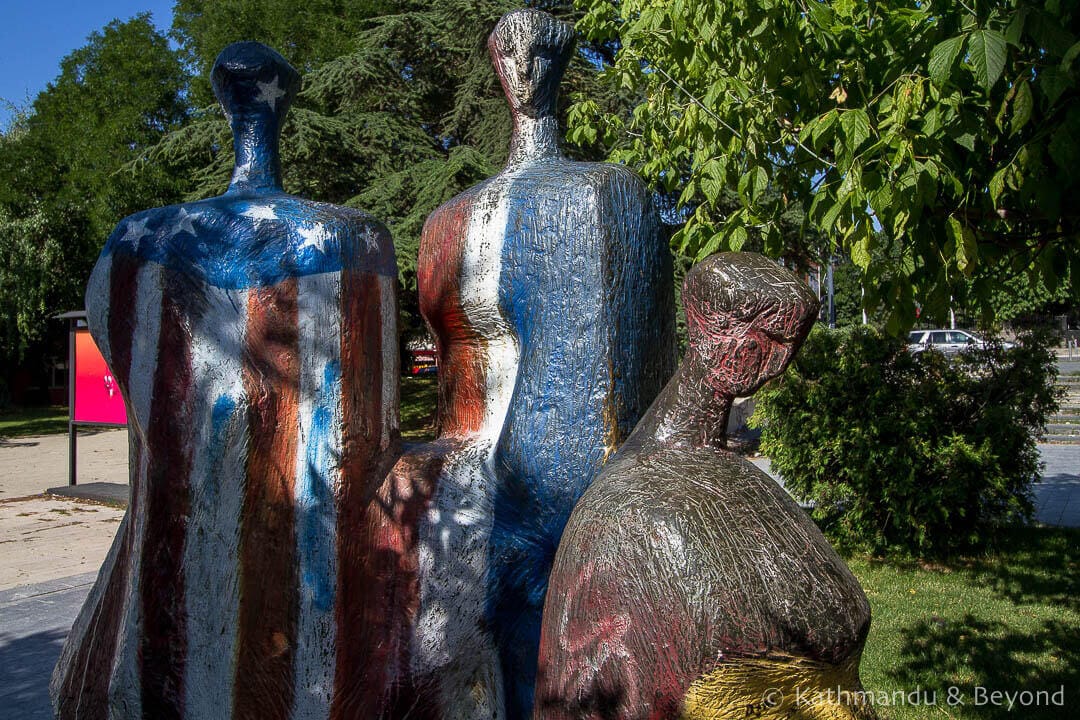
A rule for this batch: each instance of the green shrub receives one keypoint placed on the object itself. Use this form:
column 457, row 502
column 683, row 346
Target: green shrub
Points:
column 909, row 453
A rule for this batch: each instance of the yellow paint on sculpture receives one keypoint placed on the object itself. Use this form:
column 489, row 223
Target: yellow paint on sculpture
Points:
column 778, row 687
column 612, row 434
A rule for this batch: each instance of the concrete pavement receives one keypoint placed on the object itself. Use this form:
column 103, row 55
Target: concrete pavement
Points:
column 34, row 621
column 30, row 465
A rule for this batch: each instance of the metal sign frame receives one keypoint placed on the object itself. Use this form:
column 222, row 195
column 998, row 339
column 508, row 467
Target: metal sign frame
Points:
column 76, row 322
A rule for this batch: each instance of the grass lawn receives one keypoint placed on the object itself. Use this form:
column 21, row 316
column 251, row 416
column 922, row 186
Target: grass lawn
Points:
column 1008, row 622
column 19, row 422
column 419, row 396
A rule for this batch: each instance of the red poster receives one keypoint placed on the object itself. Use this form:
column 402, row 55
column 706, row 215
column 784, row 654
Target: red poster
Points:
column 97, row 398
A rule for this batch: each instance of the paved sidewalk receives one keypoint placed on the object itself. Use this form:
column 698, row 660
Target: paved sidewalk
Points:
column 30, row 465
column 34, row 621
column 50, row 538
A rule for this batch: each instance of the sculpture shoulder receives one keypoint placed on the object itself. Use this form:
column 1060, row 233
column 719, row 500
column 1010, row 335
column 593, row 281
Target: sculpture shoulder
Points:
column 455, row 210
column 660, row 481
column 241, row 241
column 577, row 174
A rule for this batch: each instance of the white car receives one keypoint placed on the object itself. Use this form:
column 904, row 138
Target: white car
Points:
column 946, row 341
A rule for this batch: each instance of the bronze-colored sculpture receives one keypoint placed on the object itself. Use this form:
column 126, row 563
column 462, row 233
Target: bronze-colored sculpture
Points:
column 688, row 584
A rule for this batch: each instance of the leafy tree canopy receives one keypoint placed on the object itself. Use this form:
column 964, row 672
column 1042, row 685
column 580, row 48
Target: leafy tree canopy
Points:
column 400, row 108
column 933, row 141
column 68, row 171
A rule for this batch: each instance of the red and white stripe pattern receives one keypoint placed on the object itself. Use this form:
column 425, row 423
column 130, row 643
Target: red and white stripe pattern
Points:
column 461, row 269
column 262, row 421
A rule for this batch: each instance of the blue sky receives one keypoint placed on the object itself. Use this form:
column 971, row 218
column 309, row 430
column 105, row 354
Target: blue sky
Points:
column 36, row 35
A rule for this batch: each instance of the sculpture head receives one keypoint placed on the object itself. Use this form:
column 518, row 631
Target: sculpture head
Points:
column 746, row 317
column 530, row 50
column 255, row 86
column 252, row 83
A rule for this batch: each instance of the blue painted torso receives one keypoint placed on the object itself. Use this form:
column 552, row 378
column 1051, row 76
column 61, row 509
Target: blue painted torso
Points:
column 238, row 241
column 586, row 286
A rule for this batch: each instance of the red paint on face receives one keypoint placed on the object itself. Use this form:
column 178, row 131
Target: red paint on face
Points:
column 462, row 396
column 161, row 575
column 268, row 558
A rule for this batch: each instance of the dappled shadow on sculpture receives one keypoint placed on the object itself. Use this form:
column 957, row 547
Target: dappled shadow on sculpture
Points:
column 254, row 338
column 548, row 289
column 283, row 558
column 688, row 584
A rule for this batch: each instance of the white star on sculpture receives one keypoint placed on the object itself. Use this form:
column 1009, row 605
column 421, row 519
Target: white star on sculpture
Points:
column 270, row 92
column 315, row 237
column 183, row 223
column 261, row 212
column 135, row 232
column 242, row 173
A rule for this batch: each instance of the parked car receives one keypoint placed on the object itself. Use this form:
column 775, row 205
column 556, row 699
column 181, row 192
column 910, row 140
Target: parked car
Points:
column 946, row 341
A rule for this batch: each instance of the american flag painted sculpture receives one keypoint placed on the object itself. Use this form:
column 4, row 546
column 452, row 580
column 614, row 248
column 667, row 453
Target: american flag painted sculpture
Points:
column 283, row 559
column 688, row 584
column 254, row 336
column 548, row 288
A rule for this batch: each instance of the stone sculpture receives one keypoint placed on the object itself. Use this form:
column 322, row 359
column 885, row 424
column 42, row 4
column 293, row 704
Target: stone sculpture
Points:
column 281, row 557
column 254, row 336
column 548, row 289
column 688, row 584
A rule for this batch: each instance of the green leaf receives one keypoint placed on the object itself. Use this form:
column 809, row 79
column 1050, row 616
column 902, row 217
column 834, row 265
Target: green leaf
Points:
column 943, row 57
column 987, row 51
column 966, row 140
column 1016, row 26
column 711, row 245
column 1070, row 56
column 860, row 251
column 967, row 249
column 822, row 124
column 1022, row 106
column 831, row 214
column 821, row 14
column 932, row 121
column 712, row 180
column 997, row 185
column 856, row 126
column 760, row 182
column 737, row 239
column 851, row 183
column 1053, row 82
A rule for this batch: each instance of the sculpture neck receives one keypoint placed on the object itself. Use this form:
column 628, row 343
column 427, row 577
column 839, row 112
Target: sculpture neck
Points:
column 689, row 413
column 533, row 139
column 258, row 163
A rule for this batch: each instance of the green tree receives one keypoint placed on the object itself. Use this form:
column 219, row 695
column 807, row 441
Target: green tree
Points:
column 67, row 170
column 944, row 129
column 406, row 117
column 909, row 453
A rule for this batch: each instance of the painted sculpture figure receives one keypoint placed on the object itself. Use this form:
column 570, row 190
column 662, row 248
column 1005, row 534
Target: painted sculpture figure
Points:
column 688, row 584
column 548, row 289
column 254, row 336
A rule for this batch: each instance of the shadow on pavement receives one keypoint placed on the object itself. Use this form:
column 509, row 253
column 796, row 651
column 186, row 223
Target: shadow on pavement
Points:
column 26, row 664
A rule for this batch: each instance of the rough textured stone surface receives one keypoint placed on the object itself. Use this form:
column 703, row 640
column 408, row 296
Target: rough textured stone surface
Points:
column 254, row 338
column 688, row 583
column 548, row 288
